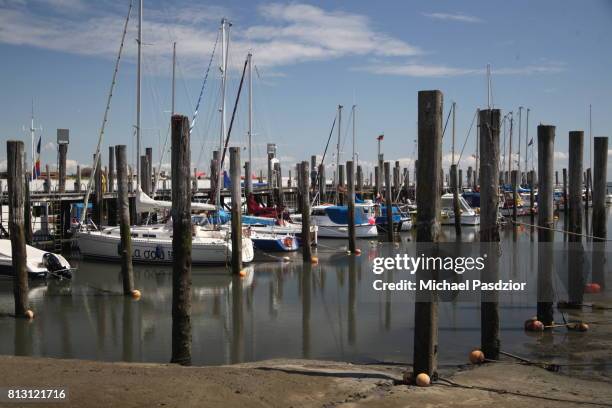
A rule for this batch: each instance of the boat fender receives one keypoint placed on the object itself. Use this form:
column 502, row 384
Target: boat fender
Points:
column 159, row 252
column 288, row 242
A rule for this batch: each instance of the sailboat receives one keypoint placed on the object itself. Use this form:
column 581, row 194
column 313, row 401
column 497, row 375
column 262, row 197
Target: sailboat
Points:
column 153, row 243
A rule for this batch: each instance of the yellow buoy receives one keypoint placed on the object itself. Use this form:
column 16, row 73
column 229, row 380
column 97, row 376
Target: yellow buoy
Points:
column 314, row 260
column 423, row 380
column 136, row 294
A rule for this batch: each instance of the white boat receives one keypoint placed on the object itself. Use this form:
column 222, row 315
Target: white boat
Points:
column 331, row 220
column 39, row 264
column 609, row 199
column 153, row 244
column 468, row 215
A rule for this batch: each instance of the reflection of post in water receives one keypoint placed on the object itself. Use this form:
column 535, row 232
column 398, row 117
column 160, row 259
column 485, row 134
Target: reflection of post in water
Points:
column 489, row 228
column 576, row 252
column 181, row 241
column 352, row 300
column 306, row 298
column 531, row 179
column 23, row 337
column 128, row 330
column 546, row 145
column 429, row 182
column 599, row 227
column 237, row 350
column 388, row 279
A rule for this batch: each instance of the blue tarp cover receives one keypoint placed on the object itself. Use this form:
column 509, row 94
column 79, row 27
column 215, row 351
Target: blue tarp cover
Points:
column 339, row 215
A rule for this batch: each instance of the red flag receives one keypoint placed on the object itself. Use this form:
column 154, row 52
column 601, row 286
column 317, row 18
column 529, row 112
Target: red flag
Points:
column 380, row 137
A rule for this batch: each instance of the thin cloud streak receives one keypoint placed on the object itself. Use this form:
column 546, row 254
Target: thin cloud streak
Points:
column 464, row 18
column 428, row 70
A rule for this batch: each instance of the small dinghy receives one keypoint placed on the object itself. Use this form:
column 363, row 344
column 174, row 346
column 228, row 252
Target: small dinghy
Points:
column 39, row 264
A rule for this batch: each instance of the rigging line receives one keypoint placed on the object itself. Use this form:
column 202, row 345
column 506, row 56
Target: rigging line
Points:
column 212, row 55
column 318, row 174
column 108, row 102
column 450, row 110
column 346, row 131
column 229, row 131
column 467, row 137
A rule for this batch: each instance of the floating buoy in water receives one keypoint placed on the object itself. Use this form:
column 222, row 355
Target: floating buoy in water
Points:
column 348, row 252
column 592, row 288
column 477, row 357
column 136, row 294
column 578, row 326
column 534, row 325
column 29, row 314
column 314, row 260
column 286, row 258
column 423, row 380
column 358, row 251
column 242, row 273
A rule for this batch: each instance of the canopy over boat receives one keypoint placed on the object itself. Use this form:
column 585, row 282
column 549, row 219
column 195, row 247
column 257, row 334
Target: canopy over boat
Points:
column 144, row 203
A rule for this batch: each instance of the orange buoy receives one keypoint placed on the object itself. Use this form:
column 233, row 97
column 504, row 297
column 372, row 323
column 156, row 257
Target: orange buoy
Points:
column 592, row 288
column 242, row 273
column 534, row 325
column 477, row 357
column 357, row 251
column 314, row 260
column 423, row 380
column 29, row 314
column 136, row 294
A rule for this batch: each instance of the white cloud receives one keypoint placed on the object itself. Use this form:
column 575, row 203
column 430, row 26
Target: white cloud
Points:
column 560, row 156
column 412, row 69
column 464, row 18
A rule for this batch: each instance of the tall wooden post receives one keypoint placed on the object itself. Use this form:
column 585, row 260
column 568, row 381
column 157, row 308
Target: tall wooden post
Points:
column 63, row 152
column 27, row 214
column 149, row 172
column 181, row 242
column 489, row 120
column 428, row 201
column 599, row 227
column 456, row 206
column 377, row 189
column 248, row 181
column 460, row 180
column 123, row 208
column 350, row 201
column 546, row 148
column 214, row 174
column 396, row 178
column 556, row 178
column 313, row 171
column 531, row 180
column 77, row 183
column 589, row 196
column 359, row 186
column 340, row 186
column 305, row 182
column 469, row 177
column 98, row 209
column 111, row 169
column 322, row 183
column 236, row 210
column 575, row 265
column 15, row 175
column 47, row 185
column 388, row 201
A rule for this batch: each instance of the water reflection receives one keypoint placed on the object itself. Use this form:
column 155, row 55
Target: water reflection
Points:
column 282, row 309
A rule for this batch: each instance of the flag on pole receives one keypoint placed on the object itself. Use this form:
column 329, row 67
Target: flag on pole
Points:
column 380, row 137
column 36, row 169
column 530, row 142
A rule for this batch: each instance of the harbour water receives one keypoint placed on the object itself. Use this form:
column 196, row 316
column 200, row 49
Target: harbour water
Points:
column 282, row 309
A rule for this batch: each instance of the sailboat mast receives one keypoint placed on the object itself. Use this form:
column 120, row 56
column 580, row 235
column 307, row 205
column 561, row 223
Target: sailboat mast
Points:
column 337, row 178
column 518, row 163
column 527, row 141
column 32, row 135
column 138, row 94
column 510, row 146
column 354, row 111
column 453, row 152
column 250, row 58
column 224, row 47
column 173, row 75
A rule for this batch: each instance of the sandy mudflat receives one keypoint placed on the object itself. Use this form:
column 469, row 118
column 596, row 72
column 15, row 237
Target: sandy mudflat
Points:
column 293, row 383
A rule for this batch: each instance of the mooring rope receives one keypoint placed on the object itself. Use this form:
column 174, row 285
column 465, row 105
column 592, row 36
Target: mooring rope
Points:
column 600, row 239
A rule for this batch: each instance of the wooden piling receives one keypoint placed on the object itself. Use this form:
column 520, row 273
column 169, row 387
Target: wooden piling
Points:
column 456, row 207
column 575, row 264
column 149, row 172
column 377, row 189
column 123, row 209
column 63, row 152
column 598, row 219
column 340, row 186
column 16, row 200
column 214, row 175
column 98, row 207
column 236, row 210
column 305, row 183
column 469, row 177
column 47, row 183
column 77, row 183
column 181, row 242
column 359, row 186
column 313, row 170
column 489, row 228
column 460, row 181
column 350, row 201
column 144, row 166
column 546, row 148
column 532, row 196
column 396, row 178
column 428, row 201
column 388, row 201
column 111, row 169
column 588, row 197
column 322, row 183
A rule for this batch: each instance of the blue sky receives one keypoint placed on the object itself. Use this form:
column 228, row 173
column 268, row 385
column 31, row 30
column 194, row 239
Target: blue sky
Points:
column 552, row 57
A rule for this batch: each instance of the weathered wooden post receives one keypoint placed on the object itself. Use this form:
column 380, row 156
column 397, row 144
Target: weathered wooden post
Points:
column 599, row 227
column 194, row 181
column 514, row 181
column 589, row 196
column 359, row 187
column 428, row 201
column 123, row 209
column 289, row 180
column 111, row 169
column 236, row 210
column 248, row 181
column 47, row 183
column 313, row 171
column 77, row 182
column 406, row 182
column 531, row 179
column 489, row 228
column 149, row 172
column 460, row 182
column 576, row 258
column 130, row 179
column 350, row 201
column 16, row 198
column 377, row 188
column 27, row 215
column 396, row 178
column 305, row 182
column 322, row 183
column 388, row 201
column 469, row 177
column 181, row 242
column 556, row 178
column 214, row 175
column 144, row 166
column 98, row 209
column 546, row 148
column 340, row 186
column 456, row 207
column 63, row 152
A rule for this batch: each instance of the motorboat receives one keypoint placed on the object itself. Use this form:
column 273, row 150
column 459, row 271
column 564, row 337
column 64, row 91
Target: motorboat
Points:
column 468, row 215
column 332, row 220
column 39, row 264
